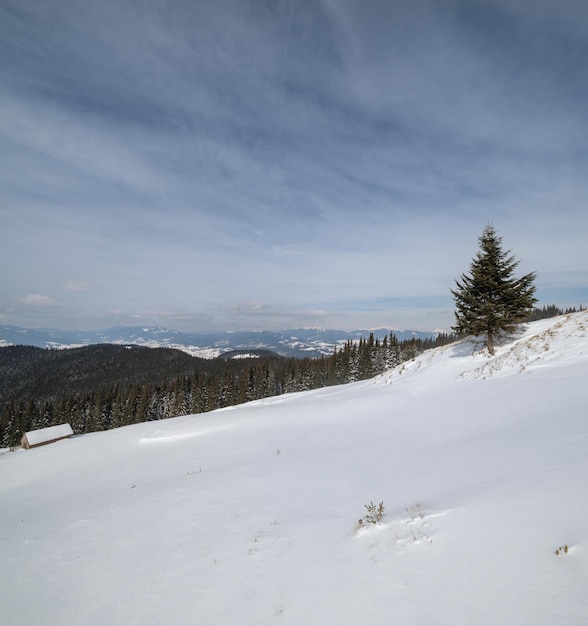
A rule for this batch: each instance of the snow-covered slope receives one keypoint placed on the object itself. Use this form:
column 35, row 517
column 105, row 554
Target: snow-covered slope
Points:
column 249, row 515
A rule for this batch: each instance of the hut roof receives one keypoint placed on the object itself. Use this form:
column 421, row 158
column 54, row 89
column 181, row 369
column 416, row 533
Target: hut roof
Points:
column 36, row 437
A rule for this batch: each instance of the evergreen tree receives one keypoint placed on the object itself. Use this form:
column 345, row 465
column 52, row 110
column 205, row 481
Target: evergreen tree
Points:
column 353, row 364
column 490, row 300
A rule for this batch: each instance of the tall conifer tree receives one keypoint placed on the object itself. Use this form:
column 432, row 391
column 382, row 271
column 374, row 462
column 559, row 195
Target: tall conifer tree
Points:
column 490, row 300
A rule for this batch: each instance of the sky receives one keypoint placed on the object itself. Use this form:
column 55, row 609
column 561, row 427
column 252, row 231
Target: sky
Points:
column 271, row 164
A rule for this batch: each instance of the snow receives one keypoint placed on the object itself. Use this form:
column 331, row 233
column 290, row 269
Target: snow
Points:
column 202, row 353
column 249, row 515
column 42, row 435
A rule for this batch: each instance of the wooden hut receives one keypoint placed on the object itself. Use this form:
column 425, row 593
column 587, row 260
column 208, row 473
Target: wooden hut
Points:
column 43, row 436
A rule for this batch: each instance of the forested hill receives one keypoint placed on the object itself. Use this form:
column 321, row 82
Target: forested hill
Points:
column 107, row 386
column 26, row 371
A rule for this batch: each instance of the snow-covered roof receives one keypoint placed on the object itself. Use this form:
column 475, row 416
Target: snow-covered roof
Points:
column 42, row 435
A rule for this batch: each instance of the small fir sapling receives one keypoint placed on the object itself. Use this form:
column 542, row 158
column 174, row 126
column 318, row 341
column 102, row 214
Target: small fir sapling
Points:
column 374, row 514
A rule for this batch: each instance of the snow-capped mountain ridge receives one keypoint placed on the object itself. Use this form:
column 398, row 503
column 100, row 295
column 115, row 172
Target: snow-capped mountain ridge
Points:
column 289, row 342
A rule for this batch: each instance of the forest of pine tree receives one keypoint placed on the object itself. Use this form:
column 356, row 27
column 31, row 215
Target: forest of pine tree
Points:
column 106, row 387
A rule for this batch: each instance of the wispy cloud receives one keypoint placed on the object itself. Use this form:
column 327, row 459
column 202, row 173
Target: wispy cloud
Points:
column 76, row 286
column 298, row 154
column 39, row 301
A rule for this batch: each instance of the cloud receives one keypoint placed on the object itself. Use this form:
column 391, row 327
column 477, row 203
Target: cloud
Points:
column 267, row 317
column 251, row 307
column 38, row 300
column 77, row 286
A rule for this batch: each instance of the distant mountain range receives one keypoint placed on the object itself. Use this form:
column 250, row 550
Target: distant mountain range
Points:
column 297, row 342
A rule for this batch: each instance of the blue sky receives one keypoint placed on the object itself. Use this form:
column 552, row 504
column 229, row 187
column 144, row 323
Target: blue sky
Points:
column 268, row 164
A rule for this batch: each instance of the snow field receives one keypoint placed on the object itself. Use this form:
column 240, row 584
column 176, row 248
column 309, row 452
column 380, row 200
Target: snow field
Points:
column 248, row 515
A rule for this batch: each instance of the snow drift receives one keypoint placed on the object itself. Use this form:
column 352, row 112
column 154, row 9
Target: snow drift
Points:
column 249, row 515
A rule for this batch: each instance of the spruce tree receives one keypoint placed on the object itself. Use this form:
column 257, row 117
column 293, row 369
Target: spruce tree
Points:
column 490, row 300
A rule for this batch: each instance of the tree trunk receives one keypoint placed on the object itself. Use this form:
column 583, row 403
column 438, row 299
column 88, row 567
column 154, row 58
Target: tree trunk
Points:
column 491, row 342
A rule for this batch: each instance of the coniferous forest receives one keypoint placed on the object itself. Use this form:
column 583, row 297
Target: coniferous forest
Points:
column 105, row 386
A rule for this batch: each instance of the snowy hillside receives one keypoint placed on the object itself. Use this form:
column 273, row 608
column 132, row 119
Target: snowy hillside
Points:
column 249, row 515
